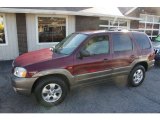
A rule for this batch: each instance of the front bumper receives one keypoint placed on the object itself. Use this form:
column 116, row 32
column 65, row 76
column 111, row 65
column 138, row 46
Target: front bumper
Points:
column 22, row 85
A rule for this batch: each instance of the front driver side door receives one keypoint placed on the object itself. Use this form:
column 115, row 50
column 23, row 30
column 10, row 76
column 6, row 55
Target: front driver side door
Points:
column 97, row 64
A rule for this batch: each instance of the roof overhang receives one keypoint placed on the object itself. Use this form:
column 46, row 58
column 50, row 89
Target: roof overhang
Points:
column 130, row 11
column 122, row 17
column 87, row 12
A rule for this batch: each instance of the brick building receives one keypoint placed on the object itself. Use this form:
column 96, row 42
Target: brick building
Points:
column 29, row 29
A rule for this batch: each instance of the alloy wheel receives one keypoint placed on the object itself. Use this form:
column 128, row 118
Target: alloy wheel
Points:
column 138, row 76
column 51, row 92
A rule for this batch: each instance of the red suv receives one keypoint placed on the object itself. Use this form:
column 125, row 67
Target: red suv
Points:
column 81, row 58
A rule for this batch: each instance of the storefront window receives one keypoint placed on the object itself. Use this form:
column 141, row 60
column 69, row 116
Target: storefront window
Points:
column 112, row 24
column 155, row 33
column 141, row 25
column 149, row 32
column 51, row 29
column 149, row 26
column 123, row 23
column 104, row 28
column 156, row 19
column 156, row 26
column 2, row 33
column 104, row 22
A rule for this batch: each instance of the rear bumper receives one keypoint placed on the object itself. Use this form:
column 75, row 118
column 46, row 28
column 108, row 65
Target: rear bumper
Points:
column 157, row 57
column 22, row 85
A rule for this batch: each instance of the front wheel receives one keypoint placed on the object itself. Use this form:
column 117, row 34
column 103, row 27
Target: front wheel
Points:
column 136, row 76
column 51, row 91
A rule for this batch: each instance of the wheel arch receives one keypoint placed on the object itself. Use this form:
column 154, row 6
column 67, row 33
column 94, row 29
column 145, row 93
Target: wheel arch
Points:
column 38, row 80
column 143, row 63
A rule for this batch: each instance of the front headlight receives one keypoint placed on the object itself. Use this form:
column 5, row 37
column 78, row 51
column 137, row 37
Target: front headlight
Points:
column 20, row 72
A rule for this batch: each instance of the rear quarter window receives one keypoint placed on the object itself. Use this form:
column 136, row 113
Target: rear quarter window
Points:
column 142, row 40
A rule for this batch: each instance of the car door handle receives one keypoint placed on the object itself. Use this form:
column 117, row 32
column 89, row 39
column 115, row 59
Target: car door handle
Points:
column 105, row 60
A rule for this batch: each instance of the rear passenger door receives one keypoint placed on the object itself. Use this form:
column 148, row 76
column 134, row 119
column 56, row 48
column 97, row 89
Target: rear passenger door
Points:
column 123, row 52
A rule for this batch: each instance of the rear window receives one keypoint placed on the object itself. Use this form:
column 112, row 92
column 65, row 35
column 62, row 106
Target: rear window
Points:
column 142, row 40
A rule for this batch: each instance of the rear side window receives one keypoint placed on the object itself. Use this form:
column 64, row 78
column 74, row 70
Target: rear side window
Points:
column 142, row 40
column 121, row 42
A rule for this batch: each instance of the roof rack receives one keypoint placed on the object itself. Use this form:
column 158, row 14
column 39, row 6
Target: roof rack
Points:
column 117, row 29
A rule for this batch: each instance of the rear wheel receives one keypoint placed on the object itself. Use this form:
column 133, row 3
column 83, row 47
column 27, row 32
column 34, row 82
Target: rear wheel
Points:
column 136, row 76
column 51, row 91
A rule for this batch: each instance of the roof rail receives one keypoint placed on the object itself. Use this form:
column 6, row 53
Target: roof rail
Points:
column 118, row 29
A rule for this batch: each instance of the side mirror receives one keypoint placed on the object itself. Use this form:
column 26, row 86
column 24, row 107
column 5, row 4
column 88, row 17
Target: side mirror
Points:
column 84, row 53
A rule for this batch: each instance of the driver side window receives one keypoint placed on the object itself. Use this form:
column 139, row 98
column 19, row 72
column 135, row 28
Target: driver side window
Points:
column 97, row 45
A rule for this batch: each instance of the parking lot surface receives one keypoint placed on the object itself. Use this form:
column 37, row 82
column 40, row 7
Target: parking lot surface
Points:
column 110, row 97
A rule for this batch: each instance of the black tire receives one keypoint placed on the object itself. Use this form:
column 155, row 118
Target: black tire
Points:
column 131, row 77
column 47, row 81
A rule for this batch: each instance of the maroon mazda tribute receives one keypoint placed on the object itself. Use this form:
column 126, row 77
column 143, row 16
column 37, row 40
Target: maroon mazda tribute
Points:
column 81, row 58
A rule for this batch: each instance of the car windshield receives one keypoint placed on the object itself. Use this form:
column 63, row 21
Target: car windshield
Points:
column 69, row 44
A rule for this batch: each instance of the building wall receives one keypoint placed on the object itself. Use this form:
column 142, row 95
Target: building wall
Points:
column 136, row 13
column 150, row 23
column 21, row 32
column 87, row 23
column 32, row 31
column 10, row 49
column 145, row 10
column 71, row 24
column 150, row 10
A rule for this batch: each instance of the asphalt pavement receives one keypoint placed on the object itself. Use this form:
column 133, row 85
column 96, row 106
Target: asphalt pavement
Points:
column 110, row 97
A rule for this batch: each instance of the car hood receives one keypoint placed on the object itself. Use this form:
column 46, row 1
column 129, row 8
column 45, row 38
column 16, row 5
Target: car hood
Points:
column 34, row 57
